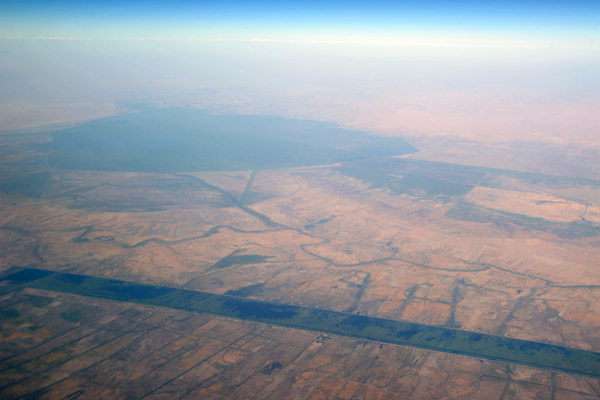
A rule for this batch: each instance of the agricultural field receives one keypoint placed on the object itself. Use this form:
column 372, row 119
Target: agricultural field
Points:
column 217, row 265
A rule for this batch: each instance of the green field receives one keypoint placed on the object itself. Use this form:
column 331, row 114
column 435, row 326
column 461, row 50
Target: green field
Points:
column 492, row 347
column 567, row 230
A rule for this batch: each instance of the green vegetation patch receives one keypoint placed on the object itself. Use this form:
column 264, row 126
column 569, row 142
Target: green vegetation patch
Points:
column 107, row 288
column 26, row 275
column 444, row 179
column 234, row 259
column 32, row 184
column 480, row 176
column 246, row 290
column 434, row 186
column 9, row 313
column 38, row 301
column 319, row 222
column 408, row 182
column 74, row 316
column 352, row 325
column 466, row 211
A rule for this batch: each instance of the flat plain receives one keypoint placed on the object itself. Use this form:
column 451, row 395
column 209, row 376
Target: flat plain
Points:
column 348, row 228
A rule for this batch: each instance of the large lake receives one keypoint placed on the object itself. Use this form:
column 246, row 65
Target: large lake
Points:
column 178, row 139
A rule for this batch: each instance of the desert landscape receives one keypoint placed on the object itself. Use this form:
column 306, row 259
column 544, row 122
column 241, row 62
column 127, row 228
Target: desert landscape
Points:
column 454, row 249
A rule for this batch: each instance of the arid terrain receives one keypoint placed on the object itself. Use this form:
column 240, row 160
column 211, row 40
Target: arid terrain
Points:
column 510, row 252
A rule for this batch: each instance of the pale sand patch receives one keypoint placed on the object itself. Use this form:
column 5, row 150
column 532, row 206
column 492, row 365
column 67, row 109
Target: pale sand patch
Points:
column 23, row 117
column 538, row 205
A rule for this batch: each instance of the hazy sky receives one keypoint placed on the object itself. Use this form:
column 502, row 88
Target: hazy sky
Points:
column 477, row 69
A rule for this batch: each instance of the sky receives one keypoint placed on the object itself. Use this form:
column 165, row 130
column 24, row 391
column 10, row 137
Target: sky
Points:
column 299, row 20
column 475, row 69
